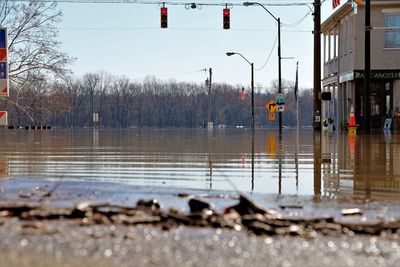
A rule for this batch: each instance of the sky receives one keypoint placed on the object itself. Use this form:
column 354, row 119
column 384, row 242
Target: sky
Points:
column 126, row 39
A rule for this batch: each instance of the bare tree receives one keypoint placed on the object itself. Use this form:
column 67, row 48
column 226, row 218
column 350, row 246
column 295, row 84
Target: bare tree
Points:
column 32, row 39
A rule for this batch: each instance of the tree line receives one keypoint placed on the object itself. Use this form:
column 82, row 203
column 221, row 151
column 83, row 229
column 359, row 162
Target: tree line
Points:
column 122, row 103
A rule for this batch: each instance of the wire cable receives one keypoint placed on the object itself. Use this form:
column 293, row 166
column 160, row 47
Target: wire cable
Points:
column 173, row 28
column 160, row 2
column 294, row 24
column 269, row 56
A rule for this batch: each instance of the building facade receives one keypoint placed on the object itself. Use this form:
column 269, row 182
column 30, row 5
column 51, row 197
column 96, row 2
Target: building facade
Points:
column 343, row 57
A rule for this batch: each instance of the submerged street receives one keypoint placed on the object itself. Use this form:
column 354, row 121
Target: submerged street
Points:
column 79, row 198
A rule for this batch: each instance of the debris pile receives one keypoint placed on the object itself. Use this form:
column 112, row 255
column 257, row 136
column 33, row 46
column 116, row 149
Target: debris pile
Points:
column 245, row 215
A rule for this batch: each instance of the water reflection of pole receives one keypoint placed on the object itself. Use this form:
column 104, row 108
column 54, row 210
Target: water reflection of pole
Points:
column 280, row 152
column 252, row 159
column 95, row 136
column 296, row 160
column 297, row 128
column 317, row 164
column 367, row 170
column 209, row 155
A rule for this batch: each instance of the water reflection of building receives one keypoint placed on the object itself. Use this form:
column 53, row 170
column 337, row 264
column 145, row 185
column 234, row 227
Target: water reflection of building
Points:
column 377, row 157
column 3, row 166
column 343, row 54
column 365, row 166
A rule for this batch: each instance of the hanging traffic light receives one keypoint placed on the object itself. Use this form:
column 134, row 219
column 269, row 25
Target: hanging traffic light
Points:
column 164, row 17
column 227, row 13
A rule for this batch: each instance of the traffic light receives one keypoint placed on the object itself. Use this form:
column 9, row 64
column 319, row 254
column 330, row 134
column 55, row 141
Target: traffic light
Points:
column 164, row 17
column 327, row 96
column 227, row 13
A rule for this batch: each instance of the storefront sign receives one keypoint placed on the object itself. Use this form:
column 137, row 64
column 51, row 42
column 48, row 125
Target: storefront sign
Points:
column 379, row 74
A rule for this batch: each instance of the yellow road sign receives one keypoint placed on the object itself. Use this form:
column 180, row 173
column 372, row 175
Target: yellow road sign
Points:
column 271, row 105
column 271, row 116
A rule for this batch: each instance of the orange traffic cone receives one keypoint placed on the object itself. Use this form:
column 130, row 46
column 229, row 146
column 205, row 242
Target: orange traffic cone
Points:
column 352, row 121
column 352, row 127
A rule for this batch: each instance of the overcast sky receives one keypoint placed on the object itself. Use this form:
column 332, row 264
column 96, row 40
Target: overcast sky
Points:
column 126, row 39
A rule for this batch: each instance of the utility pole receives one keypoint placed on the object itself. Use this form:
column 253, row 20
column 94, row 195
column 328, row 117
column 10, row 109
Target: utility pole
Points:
column 279, row 72
column 209, row 98
column 317, row 99
column 317, row 65
column 252, row 127
column 252, row 96
column 367, row 71
column 209, row 83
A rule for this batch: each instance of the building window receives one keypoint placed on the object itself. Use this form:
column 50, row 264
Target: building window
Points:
column 351, row 29
column 392, row 35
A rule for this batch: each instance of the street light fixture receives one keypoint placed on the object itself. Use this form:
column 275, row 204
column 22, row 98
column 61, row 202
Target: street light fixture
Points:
column 279, row 54
column 252, row 84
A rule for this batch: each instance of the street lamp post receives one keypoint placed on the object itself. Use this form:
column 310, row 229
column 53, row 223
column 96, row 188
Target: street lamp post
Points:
column 252, row 114
column 278, row 20
column 252, row 84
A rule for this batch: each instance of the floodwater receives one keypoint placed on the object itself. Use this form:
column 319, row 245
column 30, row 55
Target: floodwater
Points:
column 331, row 165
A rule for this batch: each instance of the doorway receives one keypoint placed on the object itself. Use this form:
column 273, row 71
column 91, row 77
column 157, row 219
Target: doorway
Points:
column 381, row 101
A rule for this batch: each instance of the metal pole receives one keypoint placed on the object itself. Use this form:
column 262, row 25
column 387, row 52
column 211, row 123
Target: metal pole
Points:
column 252, row 126
column 297, row 97
column 252, row 95
column 367, row 75
column 279, row 72
column 279, row 53
column 317, row 63
column 92, row 108
column 209, row 98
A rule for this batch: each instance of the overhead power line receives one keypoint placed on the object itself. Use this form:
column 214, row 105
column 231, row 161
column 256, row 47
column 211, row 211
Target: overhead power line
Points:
column 173, row 28
column 141, row 2
column 269, row 56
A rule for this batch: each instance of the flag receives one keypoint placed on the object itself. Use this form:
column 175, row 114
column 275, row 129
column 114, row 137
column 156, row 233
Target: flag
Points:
column 296, row 85
column 335, row 3
column 243, row 94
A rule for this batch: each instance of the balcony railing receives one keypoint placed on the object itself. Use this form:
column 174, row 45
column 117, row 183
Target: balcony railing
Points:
column 331, row 67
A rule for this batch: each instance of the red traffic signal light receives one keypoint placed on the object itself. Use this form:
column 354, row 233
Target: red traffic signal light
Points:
column 227, row 13
column 164, row 17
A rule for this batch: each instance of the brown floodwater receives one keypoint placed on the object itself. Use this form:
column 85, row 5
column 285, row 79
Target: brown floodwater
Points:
column 330, row 165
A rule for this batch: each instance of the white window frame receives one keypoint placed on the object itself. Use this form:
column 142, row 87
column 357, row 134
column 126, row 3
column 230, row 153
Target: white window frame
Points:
column 391, row 12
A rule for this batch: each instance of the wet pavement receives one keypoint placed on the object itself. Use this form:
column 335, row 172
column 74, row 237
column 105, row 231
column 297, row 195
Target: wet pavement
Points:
column 183, row 246
column 48, row 235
